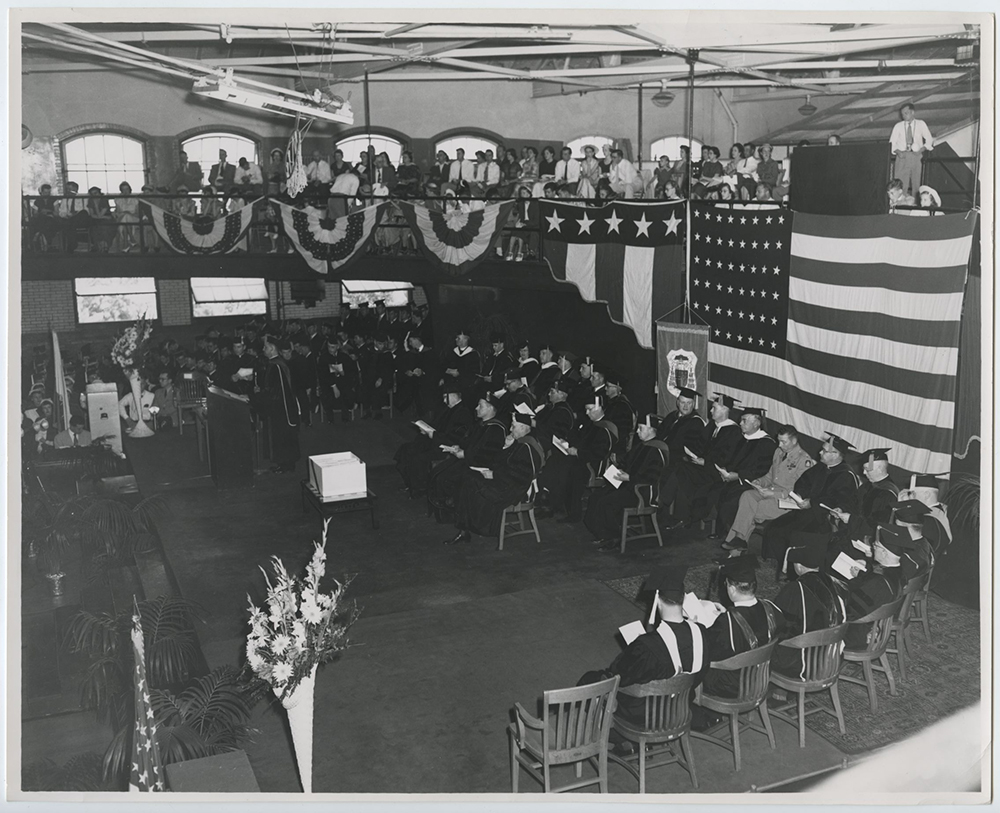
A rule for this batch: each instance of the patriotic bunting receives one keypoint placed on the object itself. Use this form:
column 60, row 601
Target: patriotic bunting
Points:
column 329, row 245
column 837, row 324
column 201, row 236
column 629, row 255
column 458, row 240
column 147, row 767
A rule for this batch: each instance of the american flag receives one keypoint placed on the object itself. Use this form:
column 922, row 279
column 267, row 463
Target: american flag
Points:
column 147, row 768
column 842, row 324
column 627, row 255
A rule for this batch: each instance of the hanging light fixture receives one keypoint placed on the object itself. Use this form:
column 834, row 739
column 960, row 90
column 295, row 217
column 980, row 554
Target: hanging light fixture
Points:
column 663, row 97
column 808, row 108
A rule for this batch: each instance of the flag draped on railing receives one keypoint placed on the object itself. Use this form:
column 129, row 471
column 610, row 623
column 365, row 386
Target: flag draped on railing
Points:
column 329, row 245
column 629, row 255
column 459, row 239
column 837, row 324
column 147, row 767
column 201, row 236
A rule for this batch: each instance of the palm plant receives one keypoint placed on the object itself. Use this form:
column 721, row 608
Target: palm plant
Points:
column 210, row 716
column 82, row 773
column 963, row 502
column 170, row 646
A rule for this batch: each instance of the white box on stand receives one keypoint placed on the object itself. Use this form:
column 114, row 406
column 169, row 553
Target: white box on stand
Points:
column 340, row 474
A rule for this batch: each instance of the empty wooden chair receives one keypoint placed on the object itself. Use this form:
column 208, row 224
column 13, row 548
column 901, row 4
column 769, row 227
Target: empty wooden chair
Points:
column 914, row 593
column 574, row 729
column 520, row 517
column 754, row 667
column 873, row 657
column 192, row 395
column 822, row 650
column 643, row 513
column 667, row 721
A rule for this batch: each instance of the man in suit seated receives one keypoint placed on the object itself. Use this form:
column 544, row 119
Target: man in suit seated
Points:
column 76, row 435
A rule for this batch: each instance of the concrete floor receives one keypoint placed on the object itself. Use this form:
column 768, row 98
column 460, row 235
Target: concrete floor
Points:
column 454, row 635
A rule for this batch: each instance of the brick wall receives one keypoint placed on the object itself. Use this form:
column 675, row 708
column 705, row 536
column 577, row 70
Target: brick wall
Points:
column 175, row 302
column 47, row 303
column 328, row 308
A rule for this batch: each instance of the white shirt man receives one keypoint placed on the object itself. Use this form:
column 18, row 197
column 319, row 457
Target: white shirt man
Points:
column 461, row 170
column 248, row 173
column 487, row 173
column 622, row 177
column 909, row 139
column 567, row 168
column 318, row 170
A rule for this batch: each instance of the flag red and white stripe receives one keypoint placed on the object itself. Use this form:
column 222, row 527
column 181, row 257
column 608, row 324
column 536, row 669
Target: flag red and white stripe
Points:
column 629, row 255
column 329, row 245
column 147, row 768
column 862, row 340
column 460, row 238
column 202, row 236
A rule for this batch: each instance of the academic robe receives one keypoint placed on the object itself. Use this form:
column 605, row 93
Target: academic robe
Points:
column 467, row 363
column 622, row 414
column 509, row 401
column 720, row 444
column 875, row 502
column 753, row 460
column 414, row 459
column 644, row 464
column 812, row 602
column 649, row 658
column 495, row 367
column 277, row 405
column 377, row 378
column 482, row 446
column 726, row 637
column 866, row 593
column 566, row 476
column 303, row 370
column 836, row 487
column 553, row 420
column 481, row 502
column 421, row 375
column 337, row 380
column 548, row 374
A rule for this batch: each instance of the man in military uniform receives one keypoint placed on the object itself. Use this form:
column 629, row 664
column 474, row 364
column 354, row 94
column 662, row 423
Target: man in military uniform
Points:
column 751, row 461
column 833, row 485
column 642, row 466
column 759, row 503
column 567, row 472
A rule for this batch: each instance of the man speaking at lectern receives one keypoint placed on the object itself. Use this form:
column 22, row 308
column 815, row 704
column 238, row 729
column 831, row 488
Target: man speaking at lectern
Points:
column 276, row 403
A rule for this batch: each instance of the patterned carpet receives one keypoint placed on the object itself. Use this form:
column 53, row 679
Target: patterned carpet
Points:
column 942, row 677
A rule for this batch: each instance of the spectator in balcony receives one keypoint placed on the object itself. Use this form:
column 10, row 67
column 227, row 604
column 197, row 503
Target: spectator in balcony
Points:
column 679, row 169
column 222, row 174
column 670, row 191
column 833, row 140
column 930, row 201
column 567, row 169
column 726, row 191
column 150, row 239
column 711, row 171
column 364, row 168
column 461, row 171
column 736, row 155
column 623, row 178
column 102, row 230
column 439, row 171
column 384, row 181
column 408, row 176
column 590, row 173
column 73, row 215
column 604, row 192
column 189, row 173
column 318, row 173
column 897, row 195
column 909, row 140
column 277, row 174
column 339, row 165
column 763, row 192
column 547, row 166
column 211, row 205
column 487, row 175
column 126, row 212
column 249, row 178
column 770, row 172
column 605, row 159
column 44, row 223
column 185, row 206
column 662, row 175
column 344, row 189
column 510, row 173
column 529, row 165
column 746, row 172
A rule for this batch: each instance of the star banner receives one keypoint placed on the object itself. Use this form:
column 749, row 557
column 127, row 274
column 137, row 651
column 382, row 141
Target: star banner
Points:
column 201, row 236
column 457, row 240
column 628, row 255
column 329, row 245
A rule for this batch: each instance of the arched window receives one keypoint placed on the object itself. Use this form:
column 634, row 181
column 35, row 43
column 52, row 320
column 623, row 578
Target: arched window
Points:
column 671, row 147
column 355, row 145
column 105, row 160
column 577, row 144
column 204, row 149
column 470, row 143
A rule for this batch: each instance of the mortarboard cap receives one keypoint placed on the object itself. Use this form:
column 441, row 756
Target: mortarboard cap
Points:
column 652, row 421
column 910, row 511
column 513, row 374
column 563, row 385
column 895, row 538
column 595, row 399
column 496, row 336
column 687, row 392
column 490, row 399
column 740, row 568
column 668, row 582
column 812, row 555
column 283, row 344
column 462, row 332
column 613, row 379
column 451, row 386
column 926, row 480
column 759, row 411
column 527, row 418
column 871, row 455
column 726, row 400
column 839, row 443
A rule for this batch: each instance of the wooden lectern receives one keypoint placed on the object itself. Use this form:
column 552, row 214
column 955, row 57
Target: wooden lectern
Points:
column 230, row 439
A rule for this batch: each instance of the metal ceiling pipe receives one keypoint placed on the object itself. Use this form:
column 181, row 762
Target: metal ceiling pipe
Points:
column 732, row 118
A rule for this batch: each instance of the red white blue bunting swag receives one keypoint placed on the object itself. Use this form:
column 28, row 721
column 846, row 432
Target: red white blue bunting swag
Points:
column 329, row 245
column 201, row 236
column 457, row 240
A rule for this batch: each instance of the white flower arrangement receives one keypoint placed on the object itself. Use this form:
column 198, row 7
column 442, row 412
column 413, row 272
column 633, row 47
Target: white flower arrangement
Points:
column 300, row 626
column 129, row 346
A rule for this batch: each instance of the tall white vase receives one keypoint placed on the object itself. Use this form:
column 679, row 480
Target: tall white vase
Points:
column 299, row 705
column 141, row 429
